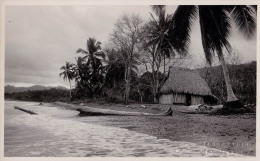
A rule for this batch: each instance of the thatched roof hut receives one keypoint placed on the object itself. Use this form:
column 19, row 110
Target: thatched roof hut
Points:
column 185, row 86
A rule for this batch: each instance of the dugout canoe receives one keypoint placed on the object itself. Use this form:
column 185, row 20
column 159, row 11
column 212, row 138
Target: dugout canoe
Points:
column 89, row 111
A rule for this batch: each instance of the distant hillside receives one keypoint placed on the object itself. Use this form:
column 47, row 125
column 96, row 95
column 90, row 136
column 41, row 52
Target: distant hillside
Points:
column 12, row 89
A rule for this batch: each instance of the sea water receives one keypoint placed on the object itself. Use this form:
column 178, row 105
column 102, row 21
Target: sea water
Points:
column 56, row 132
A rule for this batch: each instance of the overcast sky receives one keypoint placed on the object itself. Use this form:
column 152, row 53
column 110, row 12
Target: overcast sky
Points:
column 40, row 39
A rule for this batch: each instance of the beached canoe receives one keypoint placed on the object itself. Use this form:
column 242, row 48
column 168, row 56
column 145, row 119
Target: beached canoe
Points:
column 89, row 111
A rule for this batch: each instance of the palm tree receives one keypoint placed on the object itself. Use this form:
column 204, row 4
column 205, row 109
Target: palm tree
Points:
column 83, row 74
column 215, row 26
column 157, row 42
column 79, row 69
column 158, row 32
column 67, row 73
column 94, row 55
column 93, row 68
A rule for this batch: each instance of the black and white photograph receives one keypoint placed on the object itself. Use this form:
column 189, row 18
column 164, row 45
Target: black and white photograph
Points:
column 129, row 80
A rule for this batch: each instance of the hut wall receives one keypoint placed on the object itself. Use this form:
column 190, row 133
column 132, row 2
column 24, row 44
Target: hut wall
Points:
column 195, row 100
column 166, row 99
column 179, row 98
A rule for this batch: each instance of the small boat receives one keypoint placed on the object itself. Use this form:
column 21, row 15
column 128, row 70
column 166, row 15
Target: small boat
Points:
column 89, row 111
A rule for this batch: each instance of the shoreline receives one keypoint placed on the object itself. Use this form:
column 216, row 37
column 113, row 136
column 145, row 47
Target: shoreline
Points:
column 234, row 134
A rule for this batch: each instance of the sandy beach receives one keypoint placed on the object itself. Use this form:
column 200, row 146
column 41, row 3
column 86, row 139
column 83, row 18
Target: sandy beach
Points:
column 58, row 132
column 233, row 133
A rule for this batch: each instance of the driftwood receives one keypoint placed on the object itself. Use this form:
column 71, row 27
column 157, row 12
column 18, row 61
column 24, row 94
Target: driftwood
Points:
column 24, row 110
column 89, row 111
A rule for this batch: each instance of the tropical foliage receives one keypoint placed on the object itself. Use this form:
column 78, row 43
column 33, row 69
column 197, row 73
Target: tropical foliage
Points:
column 215, row 25
column 134, row 64
column 158, row 44
column 90, row 69
column 68, row 73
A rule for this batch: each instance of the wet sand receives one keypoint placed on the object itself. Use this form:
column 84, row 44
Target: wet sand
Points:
column 234, row 133
column 57, row 132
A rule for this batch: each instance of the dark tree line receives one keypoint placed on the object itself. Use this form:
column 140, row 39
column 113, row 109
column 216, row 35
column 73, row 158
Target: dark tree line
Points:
column 51, row 95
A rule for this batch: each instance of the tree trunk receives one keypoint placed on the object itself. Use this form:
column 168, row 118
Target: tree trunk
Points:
column 157, row 82
column 154, row 98
column 70, row 88
column 154, row 83
column 156, row 88
column 140, row 94
column 164, row 65
column 230, row 94
column 127, row 89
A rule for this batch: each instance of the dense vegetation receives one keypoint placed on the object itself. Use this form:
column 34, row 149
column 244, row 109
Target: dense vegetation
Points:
column 243, row 81
column 243, row 78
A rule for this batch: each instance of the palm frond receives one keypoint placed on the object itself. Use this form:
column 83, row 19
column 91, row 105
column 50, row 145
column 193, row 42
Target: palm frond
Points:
column 158, row 8
column 153, row 20
column 61, row 74
column 101, row 54
column 182, row 22
column 81, row 51
column 63, row 68
column 215, row 29
column 93, row 46
column 245, row 21
column 254, row 7
column 205, row 42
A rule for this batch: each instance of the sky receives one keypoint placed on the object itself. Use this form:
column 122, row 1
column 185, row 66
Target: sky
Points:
column 40, row 39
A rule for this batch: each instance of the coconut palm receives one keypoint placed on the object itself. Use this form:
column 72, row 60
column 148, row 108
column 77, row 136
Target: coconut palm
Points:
column 94, row 55
column 67, row 73
column 215, row 26
column 157, row 42
column 92, row 71
column 157, row 32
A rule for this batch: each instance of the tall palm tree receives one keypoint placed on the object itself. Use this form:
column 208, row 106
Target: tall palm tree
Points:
column 94, row 70
column 157, row 42
column 158, row 32
column 67, row 73
column 94, row 55
column 215, row 26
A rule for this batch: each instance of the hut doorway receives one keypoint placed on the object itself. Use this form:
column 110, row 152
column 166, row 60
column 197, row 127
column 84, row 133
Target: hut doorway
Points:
column 188, row 99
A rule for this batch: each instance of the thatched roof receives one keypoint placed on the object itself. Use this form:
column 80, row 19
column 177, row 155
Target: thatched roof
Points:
column 183, row 80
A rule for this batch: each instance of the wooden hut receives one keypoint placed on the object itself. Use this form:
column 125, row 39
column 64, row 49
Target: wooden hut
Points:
column 187, row 87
